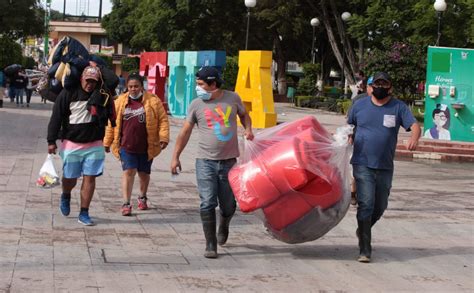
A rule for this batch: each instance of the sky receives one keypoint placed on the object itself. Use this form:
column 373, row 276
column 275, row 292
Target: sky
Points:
column 73, row 6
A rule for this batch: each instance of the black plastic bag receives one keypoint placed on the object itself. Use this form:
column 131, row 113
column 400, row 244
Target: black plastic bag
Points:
column 52, row 70
column 73, row 79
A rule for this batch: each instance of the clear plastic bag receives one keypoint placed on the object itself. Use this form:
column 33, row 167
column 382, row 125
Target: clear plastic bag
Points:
column 48, row 177
column 296, row 177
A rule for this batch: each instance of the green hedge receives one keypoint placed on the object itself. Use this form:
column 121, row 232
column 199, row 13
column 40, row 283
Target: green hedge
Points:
column 418, row 112
column 300, row 99
column 107, row 59
column 130, row 64
column 231, row 70
column 344, row 105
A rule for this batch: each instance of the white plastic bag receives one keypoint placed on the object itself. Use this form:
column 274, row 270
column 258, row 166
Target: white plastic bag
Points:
column 48, row 177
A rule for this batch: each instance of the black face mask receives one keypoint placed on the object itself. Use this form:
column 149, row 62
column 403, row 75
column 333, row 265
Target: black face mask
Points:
column 380, row 93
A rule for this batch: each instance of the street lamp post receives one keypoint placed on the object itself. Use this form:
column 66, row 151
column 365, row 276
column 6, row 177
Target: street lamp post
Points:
column 249, row 4
column 314, row 24
column 345, row 17
column 439, row 6
column 46, row 28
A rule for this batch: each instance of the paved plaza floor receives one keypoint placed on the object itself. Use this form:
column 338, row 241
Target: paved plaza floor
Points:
column 424, row 242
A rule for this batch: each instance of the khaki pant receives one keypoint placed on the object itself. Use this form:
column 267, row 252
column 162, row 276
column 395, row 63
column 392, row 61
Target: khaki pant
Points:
column 2, row 92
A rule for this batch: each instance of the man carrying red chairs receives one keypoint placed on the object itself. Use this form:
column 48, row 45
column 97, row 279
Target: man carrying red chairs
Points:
column 215, row 112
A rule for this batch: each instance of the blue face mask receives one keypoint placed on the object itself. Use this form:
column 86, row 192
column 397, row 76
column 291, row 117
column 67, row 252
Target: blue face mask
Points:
column 202, row 94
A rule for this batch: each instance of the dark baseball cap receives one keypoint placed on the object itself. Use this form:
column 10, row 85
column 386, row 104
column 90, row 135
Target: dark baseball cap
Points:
column 209, row 74
column 382, row 76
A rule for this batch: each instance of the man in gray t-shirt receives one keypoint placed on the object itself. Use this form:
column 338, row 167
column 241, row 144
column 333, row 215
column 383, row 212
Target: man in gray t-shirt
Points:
column 217, row 124
column 215, row 113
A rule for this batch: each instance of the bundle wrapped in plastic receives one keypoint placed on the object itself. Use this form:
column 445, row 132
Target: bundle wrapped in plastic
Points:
column 296, row 177
column 12, row 70
column 67, row 61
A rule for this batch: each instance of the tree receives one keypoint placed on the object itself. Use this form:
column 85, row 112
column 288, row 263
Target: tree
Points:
column 283, row 26
column 20, row 19
column 307, row 84
column 230, row 73
column 176, row 25
column 119, row 24
column 10, row 52
column 393, row 21
column 405, row 63
column 398, row 33
column 28, row 62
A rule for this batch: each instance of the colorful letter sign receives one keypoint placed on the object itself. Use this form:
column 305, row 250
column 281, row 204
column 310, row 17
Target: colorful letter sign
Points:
column 253, row 82
column 254, row 86
column 153, row 65
column 182, row 80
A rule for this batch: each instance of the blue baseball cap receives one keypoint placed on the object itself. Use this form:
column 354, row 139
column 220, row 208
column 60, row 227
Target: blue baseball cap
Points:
column 370, row 80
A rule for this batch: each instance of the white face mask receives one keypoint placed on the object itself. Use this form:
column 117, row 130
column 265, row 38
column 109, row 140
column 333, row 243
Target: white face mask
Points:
column 136, row 97
column 202, row 93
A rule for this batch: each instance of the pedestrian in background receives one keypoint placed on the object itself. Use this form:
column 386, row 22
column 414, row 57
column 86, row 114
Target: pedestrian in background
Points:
column 377, row 120
column 368, row 92
column 215, row 113
column 30, row 87
column 142, row 132
column 81, row 150
column 361, row 82
column 19, row 84
column 121, row 85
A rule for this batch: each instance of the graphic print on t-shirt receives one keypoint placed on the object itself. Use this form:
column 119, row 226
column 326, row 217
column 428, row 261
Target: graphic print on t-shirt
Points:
column 134, row 136
column 129, row 113
column 219, row 121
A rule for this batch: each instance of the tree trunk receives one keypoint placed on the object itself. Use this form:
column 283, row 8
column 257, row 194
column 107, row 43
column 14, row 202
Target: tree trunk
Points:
column 361, row 52
column 349, row 71
column 322, row 70
column 281, row 64
column 330, row 33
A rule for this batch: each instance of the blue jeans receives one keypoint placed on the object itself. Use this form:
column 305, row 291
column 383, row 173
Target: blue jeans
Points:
column 213, row 185
column 373, row 188
column 12, row 93
column 19, row 96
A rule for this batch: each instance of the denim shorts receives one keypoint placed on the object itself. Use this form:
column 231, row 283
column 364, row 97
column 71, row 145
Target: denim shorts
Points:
column 135, row 161
column 213, row 185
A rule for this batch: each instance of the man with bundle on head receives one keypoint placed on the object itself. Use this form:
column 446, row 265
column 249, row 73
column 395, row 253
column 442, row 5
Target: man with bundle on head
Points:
column 81, row 137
